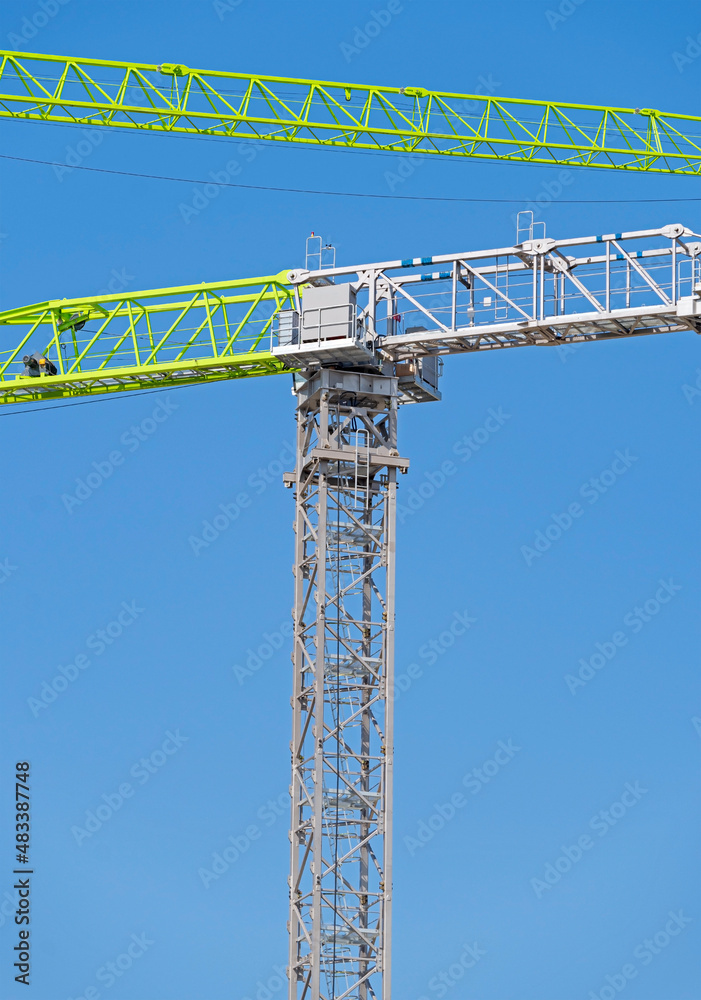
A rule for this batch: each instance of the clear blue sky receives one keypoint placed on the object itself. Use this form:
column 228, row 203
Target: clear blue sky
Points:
column 623, row 743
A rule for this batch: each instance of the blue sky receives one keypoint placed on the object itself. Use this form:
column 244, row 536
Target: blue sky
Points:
column 190, row 751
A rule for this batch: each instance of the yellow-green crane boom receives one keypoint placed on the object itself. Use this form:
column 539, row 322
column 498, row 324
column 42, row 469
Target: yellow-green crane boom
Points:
column 162, row 337
column 405, row 119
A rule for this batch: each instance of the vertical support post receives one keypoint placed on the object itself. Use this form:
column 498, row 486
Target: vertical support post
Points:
column 388, row 816
column 372, row 304
column 391, row 312
column 674, row 272
column 342, row 749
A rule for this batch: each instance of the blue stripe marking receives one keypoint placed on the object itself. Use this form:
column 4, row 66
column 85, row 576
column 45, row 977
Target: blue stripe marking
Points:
column 427, row 260
column 408, row 262
column 427, row 277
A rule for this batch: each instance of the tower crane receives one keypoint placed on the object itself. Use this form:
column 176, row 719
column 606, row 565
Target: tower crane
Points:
column 360, row 341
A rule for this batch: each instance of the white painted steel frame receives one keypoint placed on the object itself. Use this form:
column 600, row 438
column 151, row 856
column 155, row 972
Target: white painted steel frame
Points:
column 347, row 462
column 537, row 293
column 342, row 743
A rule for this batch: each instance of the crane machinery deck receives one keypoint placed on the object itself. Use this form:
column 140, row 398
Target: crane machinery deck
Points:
column 360, row 341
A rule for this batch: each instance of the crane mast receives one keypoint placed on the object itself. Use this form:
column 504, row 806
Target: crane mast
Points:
column 342, row 744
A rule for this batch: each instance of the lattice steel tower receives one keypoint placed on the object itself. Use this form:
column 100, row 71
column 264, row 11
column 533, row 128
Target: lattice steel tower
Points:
column 342, row 745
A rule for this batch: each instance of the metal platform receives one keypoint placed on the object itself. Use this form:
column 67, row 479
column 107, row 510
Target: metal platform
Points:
column 340, row 352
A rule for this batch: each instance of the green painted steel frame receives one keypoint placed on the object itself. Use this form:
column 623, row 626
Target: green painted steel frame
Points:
column 159, row 338
column 175, row 98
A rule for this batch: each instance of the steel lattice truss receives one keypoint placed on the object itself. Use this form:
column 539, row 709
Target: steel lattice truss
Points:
column 340, row 887
column 163, row 337
column 175, row 98
column 538, row 293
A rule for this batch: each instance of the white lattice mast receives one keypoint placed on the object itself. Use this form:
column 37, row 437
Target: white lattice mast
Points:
column 341, row 874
